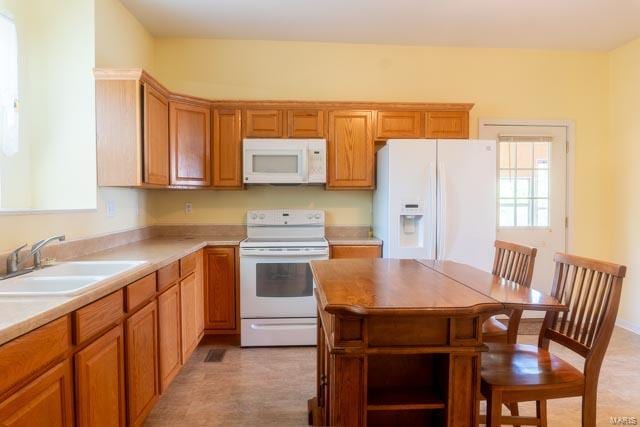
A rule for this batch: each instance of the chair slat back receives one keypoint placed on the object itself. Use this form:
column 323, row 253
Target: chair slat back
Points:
column 514, row 262
column 591, row 289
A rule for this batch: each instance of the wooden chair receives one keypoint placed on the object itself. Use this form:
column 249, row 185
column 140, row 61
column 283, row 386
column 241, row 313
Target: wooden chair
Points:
column 512, row 262
column 514, row 373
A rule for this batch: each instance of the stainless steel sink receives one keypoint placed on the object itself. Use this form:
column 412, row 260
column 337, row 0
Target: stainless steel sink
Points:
column 64, row 279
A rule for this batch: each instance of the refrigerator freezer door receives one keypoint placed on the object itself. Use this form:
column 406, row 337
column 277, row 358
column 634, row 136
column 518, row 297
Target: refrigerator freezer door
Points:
column 411, row 198
column 466, row 196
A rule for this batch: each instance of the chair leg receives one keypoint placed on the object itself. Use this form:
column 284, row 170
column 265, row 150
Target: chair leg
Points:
column 541, row 412
column 513, row 407
column 494, row 409
column 589, row 402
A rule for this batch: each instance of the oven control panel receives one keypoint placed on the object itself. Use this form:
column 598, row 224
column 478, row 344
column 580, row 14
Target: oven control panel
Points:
column 283, row 217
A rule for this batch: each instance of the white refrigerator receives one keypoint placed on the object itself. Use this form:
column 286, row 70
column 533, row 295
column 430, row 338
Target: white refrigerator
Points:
column 436, row 199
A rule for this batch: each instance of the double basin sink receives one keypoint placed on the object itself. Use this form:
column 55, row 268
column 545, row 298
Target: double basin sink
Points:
column 64, row 279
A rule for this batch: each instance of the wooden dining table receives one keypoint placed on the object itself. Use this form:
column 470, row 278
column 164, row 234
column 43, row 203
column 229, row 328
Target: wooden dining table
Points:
column 399, row 341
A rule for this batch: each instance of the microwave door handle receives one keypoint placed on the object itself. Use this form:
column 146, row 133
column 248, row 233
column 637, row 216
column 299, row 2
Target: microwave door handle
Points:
column 304, row 158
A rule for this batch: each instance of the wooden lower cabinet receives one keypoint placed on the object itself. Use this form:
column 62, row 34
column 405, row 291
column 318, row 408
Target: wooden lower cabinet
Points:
column 47, row 400
column 100, row 387
column 169, row 335
column 355, row 251
column 143, row 386
column 221, row 302
column 188, row 315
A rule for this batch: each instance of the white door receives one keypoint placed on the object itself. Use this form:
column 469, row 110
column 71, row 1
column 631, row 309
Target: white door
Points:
column 532, row 191
column 466, row 193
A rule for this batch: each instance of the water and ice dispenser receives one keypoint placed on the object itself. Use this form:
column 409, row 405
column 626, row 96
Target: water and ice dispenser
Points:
column 412, row 223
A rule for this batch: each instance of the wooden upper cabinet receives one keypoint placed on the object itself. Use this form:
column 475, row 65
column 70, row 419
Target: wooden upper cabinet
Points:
column 100, row 381
column 190, row 144
column 447, row 124
column 263, row 124
column 305, row 123
column 227, row 148
column 155, row 136
column 399, row 124
column 47, row 400
column 220, row 289
column 350, row 150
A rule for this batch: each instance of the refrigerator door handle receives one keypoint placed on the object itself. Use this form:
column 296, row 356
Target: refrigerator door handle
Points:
column 442, row 212
column 432, row 231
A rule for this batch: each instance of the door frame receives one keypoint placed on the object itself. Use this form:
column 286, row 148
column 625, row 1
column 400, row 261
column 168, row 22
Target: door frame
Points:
column 569, row 126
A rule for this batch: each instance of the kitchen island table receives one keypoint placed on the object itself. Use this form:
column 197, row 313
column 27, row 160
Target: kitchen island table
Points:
column 399, row 341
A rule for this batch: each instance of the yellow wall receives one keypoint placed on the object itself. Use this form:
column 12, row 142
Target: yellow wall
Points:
column 126, row 42
column 624, row 121
column 503, row 83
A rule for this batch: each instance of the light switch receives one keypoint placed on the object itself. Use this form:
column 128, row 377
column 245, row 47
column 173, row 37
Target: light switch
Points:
column 111, row 208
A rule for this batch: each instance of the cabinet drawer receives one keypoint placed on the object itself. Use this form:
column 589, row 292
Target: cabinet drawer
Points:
column 98, row 316
column 140, row 291
column 188, row 264
column 360, row 251
column 29, row 353
column 168, row 275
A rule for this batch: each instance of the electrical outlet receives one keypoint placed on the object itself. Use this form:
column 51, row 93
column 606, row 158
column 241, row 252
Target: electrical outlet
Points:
column 188, row 208
column 111, row 208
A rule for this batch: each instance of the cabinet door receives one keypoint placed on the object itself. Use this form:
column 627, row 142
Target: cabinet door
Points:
column 360, row 251
column 350, row 150
column 447, row 124
column 100, row 381
column 220, row 289
column 227, row 149
column 169, row 335
column 46, row 400
column 263, row 124
column 305, row 123
column 189, row 321
column 399, row 124
column 155, row 137
column 190, row 144
column 143, row 386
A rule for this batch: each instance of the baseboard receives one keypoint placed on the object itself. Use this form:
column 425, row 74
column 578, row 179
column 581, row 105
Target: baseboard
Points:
column 629, row 326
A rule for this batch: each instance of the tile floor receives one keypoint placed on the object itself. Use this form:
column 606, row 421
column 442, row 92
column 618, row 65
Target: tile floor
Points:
column 270, row 387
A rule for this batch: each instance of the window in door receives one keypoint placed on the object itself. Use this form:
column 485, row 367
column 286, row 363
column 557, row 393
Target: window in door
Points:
column 523, row 181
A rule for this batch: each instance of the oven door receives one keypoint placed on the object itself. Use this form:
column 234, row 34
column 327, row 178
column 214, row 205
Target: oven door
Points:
column 277, row 283
column 275, row 165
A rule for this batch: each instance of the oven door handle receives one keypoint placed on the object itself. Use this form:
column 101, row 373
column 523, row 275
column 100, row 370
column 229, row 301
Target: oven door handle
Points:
column 285, row 254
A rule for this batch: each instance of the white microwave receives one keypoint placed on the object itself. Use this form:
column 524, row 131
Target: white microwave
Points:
column 284, row 161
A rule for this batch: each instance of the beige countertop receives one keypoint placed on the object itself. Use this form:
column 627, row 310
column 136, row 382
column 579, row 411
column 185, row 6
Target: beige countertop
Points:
column 358, row 241
column 20, row 315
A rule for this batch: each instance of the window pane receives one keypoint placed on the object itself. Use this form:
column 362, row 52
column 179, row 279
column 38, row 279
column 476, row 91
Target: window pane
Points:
column 541, row 155
column 524, row 183
column 541, row 183
column 523, row 212
column 541, row 212
column 507, row 155
column 506, row 217
column 524, row 153
column 507, row 184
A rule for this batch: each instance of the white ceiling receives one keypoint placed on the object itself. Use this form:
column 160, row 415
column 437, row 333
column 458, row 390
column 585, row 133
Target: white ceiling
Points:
column 555, row 24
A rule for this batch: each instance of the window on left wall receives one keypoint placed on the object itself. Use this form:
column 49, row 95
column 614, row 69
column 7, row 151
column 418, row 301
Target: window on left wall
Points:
column 8, row 86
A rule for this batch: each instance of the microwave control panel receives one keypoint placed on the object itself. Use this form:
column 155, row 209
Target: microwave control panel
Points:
column 317, row 150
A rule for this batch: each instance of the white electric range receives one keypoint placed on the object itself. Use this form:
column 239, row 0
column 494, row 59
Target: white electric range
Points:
column 277, row 306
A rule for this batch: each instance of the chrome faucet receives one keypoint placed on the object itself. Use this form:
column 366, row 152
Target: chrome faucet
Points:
column 35, row 249
column 14, row 261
